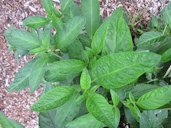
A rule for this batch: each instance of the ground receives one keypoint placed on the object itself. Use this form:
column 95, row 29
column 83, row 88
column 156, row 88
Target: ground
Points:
column 17, row 105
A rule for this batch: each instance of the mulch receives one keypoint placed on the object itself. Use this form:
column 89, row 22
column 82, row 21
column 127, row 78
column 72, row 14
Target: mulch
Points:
column 12, row 12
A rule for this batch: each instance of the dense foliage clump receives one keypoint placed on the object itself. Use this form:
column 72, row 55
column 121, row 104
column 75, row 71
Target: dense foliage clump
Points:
column 93, row 73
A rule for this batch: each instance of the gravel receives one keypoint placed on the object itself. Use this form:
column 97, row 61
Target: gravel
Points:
column 17, row 105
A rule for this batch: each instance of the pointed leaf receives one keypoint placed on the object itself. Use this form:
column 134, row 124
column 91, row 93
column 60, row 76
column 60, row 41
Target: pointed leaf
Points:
column 22, row 77
column 100, row 37
column 47, row 120
column 150, row 41
column 45, row 37
column 154, row 23
column 37, row 73
column 155, row 98
column 118, row 37
column 72, row 10
column 63, row 70
column 141, row 89
column 54, row 98
column 109, row 71
column 129, row 118
column 117, row 116
column 75, row 54
column 8, row 123
column 166, row 14
column 65, row 4
column 135, row 112
column 85, row 121
column 85, row 80
column 98, row 106
column 67, row 112
column 166, row 55
column 72, row 29
column 35, row 21
column 115, row 97
column 91, row 11
column 22, row 39
column 165, row 45
column 48, row 6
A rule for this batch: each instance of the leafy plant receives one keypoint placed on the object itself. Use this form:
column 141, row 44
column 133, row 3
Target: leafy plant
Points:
column 91, row 74
column 8, row 123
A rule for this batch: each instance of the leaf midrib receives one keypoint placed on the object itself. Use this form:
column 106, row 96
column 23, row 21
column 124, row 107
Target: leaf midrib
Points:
column 40, row 22
column 101, row 111
column 114, row 72
column 65, row 5
column 67, row 34
column 20, row 81
column 19, row 37
column 57, row 99
column 151, row 39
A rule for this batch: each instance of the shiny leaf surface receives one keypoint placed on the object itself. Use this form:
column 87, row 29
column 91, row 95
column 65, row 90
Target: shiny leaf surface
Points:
column 120, row 69
column 54, row 98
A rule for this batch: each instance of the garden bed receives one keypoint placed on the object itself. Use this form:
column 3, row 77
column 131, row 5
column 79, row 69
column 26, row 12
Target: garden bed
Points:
column 17, row 105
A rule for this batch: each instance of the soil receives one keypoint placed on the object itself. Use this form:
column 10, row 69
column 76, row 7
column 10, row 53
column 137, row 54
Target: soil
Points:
column 12, row 12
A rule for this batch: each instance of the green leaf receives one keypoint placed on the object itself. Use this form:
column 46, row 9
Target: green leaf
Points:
column 57, row 23
column 141, row 89
column 119, row 37
column 98, row 106
column 37, row 73
column 85, row 40
column 120, row 69
column 166, row 14
column 47, row 120
column 166, row 123
column 91, row 11
column 68, row 111
column 165, row 45
column 154, row 23
column 135, row 112
column 38, row 50
column 54, row 98
column 45, row 38
column 155, row 98
column 75, row 54
column 22, row 77
column 117, row 116
column 35, row 21
column 48, row 6
column 63, row 70
column 150, row 40
column 22, row 39
column 166, row 56
column 72, row 10
column 85, row 80
column 115, row 97
column 130, row 119
column 65, row 4
column 72, row 29
column 85, row 121
column 8, row 123
column 100, row 37
column 153, row 118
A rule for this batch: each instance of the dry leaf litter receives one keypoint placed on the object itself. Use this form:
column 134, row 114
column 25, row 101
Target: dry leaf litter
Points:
column 17, row 105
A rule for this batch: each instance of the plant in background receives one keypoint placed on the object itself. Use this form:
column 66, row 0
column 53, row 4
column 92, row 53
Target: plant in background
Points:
column 8, row 123
column 92, row 77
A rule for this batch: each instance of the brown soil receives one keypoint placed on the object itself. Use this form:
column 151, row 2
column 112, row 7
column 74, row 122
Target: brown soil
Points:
column 17, row 105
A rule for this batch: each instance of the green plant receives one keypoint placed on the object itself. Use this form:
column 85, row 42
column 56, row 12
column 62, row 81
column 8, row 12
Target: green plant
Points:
column 91, row 75
column 8, row 123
